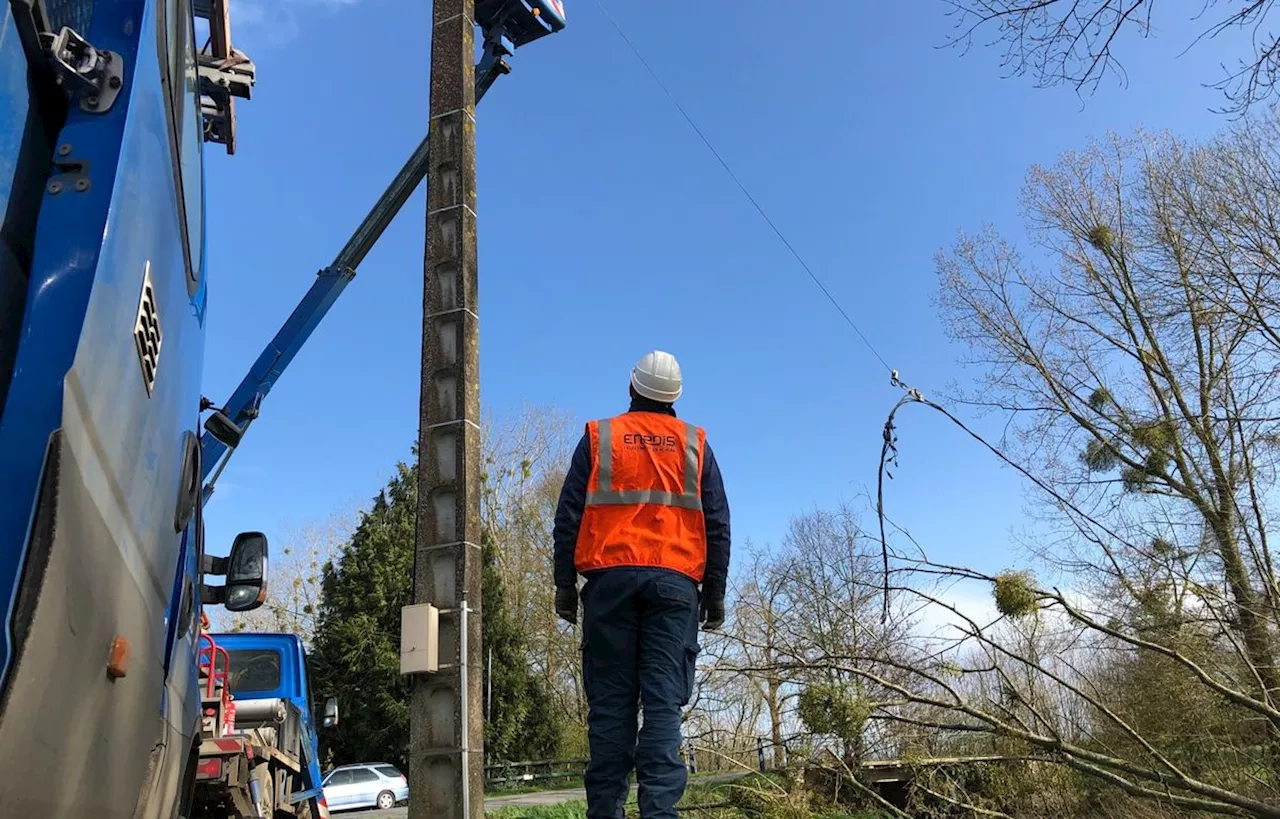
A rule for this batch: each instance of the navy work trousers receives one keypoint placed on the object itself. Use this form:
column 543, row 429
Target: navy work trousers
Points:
column 640, row 641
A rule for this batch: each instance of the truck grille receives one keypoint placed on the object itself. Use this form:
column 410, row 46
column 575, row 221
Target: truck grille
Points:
column 146, row 331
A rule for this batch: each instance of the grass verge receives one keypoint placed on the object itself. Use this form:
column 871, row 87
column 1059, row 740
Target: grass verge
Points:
column 697, row 796
column 568, row 784
column 567, row 810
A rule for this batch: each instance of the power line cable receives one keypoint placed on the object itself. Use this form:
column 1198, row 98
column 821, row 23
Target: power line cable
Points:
column 747, row 193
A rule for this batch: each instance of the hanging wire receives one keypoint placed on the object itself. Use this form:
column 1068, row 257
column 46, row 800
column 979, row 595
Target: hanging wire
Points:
column 737, row 181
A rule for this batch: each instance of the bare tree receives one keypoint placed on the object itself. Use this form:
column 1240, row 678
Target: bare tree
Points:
column 524, row 462
column 296, row 570
column 1137, row 368
column 760, row 633
column 832, row 571
column 727, row 711
column 1073, row 42
column 800, row 610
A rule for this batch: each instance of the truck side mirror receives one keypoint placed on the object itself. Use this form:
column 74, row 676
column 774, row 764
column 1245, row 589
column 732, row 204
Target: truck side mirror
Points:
column 330, row 712
column 246, row 586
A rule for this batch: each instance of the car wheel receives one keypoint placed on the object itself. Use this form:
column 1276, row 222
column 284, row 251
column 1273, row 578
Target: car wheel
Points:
column 386, row 800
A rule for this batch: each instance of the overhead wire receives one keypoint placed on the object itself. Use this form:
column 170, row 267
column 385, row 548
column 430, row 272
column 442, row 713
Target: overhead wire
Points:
column 912, row 395
column 741, row 186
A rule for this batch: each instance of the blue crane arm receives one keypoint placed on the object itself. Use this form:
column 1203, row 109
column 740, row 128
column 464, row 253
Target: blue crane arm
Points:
column 507, row 24
column 243, row 405
column 225, row 428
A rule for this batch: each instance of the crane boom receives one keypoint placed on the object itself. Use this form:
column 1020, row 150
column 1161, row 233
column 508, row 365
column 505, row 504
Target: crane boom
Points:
column 507, row 25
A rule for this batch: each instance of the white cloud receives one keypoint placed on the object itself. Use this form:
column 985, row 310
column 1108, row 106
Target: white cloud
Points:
column 970, row 599
column 943, row 624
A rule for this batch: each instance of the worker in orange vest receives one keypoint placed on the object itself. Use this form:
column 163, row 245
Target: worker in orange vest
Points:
column 644, row 518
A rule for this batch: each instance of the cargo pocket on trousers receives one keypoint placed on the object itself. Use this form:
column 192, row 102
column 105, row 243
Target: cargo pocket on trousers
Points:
column 690, row 671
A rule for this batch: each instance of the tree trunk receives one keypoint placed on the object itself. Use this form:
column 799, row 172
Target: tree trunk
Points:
column 774, row 704
column 1252, row 626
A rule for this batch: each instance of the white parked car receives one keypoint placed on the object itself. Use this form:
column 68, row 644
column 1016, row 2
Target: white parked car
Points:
column 368, row 785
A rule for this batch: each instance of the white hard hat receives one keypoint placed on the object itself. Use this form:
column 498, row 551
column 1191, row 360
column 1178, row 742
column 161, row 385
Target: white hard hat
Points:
column 656, row 376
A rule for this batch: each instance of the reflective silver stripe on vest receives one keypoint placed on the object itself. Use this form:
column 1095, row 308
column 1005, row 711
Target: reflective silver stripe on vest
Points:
column 632, row 497
column 606, row 496
column 604, row 470
column 691, row 473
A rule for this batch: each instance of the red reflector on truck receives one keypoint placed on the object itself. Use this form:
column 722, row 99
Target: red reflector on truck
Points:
column 209, row 769
column 118, row 662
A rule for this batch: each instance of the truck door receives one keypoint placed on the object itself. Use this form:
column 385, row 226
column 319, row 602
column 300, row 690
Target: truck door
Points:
column 31, row 114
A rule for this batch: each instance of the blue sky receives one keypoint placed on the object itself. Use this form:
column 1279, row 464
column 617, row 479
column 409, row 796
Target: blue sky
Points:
column 606, row 229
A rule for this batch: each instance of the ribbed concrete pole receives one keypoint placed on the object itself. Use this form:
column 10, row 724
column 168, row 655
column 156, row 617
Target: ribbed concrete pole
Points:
column 446, row 713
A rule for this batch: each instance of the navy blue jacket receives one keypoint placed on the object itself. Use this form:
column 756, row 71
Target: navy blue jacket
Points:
column 573, row 497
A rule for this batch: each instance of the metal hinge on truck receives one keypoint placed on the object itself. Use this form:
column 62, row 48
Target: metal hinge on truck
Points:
column 225, row 73
column 67, row 60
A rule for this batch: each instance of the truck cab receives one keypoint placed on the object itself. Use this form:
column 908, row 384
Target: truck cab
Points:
column 266, row 669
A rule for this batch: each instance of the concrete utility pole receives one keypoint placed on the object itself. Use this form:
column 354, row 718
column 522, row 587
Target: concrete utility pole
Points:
column 446, row 712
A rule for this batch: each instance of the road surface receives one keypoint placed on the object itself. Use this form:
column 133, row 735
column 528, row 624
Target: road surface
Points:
column 522, row 800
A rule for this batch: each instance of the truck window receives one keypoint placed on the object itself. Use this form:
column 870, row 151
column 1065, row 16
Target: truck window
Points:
column 181, row 81
column 306, row 664
column 254, row 670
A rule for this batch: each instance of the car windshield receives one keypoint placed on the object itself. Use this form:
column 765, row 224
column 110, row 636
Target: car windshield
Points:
column 254, row 670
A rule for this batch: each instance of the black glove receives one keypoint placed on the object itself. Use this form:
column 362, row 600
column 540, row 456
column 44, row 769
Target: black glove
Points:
column 567, row 604
column 712, row 613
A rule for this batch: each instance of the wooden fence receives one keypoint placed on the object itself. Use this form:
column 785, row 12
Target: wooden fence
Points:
column 567, row 773
column 542, row 773
column 550, row 773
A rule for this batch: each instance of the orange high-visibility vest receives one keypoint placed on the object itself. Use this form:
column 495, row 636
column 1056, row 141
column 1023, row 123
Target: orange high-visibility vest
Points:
column 644, row 496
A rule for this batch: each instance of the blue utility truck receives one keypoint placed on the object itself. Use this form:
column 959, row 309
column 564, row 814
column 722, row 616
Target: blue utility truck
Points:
column 111, row 688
